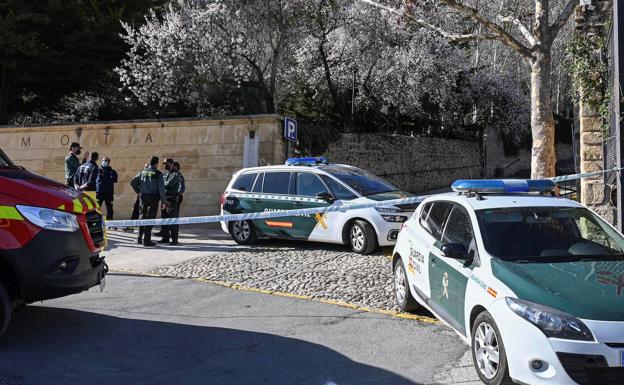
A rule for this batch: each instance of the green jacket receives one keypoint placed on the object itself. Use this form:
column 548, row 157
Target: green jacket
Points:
column 172, row 183
column 149, row 181
column 71, row 166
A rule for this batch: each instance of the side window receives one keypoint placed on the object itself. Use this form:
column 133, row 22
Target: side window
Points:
column 458, row 228
column 339, row 191
column 258, row 185
column 424, row 213
column 245, row 182
column 276, row 183
column 309, row 184
column 437, row 215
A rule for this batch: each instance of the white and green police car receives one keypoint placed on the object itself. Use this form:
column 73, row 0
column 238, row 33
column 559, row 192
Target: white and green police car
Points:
column 534, row 283
column 308, row 183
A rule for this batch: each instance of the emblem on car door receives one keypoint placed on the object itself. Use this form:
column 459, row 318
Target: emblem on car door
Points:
column 445, row 283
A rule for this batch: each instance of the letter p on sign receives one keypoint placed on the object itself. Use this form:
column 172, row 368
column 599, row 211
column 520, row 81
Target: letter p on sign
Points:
column 290, row 129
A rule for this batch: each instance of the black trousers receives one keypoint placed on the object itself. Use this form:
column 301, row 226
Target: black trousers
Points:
column 107, row 199
column 136, row 210
column 170, row 232
column 149, row 209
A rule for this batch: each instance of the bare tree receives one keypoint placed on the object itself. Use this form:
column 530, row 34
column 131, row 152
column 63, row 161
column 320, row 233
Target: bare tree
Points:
column 536, row 49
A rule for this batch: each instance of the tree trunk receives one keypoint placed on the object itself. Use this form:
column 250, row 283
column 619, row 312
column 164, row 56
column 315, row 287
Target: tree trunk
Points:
column 542, row 121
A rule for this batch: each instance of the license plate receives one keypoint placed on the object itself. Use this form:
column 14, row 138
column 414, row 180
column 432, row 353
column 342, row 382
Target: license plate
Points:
column 102, row 284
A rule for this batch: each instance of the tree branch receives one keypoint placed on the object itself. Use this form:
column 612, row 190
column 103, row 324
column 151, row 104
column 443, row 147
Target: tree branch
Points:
column 563, row 18
column 454, row 37
column 523, row 29
column 503, row 36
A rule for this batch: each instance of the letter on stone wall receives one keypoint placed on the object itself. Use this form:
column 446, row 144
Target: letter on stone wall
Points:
column 149, row 138
column 26, row 142
column 64, row 140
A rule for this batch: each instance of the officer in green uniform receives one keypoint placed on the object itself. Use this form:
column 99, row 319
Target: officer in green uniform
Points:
column 72, row 163
column 150, row 186
column 172, row 187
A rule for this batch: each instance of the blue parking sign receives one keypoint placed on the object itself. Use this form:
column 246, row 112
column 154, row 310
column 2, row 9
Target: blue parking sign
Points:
column 290, row 129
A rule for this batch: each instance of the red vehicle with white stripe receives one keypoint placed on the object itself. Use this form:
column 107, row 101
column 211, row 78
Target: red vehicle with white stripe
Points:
column 51, row 237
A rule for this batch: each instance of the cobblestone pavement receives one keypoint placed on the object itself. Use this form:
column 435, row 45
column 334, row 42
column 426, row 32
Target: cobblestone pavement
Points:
column 319, row 271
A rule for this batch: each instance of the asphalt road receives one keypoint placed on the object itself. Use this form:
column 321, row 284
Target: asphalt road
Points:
column 165, row 331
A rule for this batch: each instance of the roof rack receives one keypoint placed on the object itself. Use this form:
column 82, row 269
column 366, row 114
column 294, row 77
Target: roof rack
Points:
column 315, row 161
column 503, row 186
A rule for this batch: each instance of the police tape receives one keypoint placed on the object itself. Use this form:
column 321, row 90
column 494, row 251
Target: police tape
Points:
column 336, row 207
column 567, row 178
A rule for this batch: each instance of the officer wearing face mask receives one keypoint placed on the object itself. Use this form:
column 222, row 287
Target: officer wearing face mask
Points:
column 105, row 187
column 72, row 163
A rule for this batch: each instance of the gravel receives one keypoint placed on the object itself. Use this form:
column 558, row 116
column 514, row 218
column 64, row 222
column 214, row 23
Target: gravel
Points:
column 316, row 270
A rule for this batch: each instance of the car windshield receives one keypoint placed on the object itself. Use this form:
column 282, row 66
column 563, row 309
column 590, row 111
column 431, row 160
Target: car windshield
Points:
column 359, row 180
column 548, row 234
column 5, row 162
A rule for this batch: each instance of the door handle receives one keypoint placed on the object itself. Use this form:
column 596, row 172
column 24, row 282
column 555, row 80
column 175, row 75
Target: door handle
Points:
column 257, row 200
column 298, row 204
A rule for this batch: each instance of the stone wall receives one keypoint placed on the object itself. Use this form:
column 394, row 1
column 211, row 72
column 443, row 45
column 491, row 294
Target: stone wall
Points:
column 209, row 151
column 412, row 164
column 500, row 165
column 591, row 20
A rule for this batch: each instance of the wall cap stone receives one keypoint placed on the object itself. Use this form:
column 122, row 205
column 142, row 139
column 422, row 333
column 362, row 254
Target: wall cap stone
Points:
column 146, row 123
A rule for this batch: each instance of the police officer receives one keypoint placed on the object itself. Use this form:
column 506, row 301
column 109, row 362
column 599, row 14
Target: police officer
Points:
column 86, row 176
column 150, row 186
column 172, row 187
column 72, row 163
column 105, row 187
column 167, row 165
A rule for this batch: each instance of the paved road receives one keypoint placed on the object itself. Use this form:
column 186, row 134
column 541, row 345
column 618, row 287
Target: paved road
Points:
column 162, row 331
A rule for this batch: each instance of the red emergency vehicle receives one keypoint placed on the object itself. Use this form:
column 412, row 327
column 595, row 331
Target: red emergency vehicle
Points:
column 51, row 237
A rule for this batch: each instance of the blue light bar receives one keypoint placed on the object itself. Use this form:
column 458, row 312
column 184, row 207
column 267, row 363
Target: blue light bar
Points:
column 306, row 161
column 503, row 185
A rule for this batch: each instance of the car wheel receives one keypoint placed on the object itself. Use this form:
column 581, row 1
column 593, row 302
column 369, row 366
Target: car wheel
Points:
column 362, row 237
column 243, row 232
column 6, row 310
column 403, row 295
column 488, row 351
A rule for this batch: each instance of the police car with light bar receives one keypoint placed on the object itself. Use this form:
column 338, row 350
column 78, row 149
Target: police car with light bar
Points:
column 304, row 183
column 533, row 282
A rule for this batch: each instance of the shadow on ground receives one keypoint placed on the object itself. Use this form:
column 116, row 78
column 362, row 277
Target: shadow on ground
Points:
column 60, row 346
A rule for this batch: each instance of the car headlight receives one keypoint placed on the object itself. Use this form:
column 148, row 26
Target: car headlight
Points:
column 389, row 214
column 552, row 322
column 49, row 219
column 389, row 210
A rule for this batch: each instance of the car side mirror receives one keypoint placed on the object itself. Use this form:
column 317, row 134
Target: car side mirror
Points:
column 327, row 197
column 455, row 251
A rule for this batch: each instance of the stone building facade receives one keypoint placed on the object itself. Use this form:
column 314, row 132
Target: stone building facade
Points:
column 209, row 150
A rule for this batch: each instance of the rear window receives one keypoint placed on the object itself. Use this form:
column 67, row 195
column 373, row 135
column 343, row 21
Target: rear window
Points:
column 276, row 183
column 244, row 182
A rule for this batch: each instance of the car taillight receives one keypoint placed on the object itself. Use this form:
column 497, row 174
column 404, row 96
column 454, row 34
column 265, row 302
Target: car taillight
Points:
column 222, row 200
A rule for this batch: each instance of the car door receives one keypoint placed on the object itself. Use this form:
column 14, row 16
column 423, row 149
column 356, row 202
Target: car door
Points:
column 448, row 277
column 315, row 227
column 273, row 195
column 420, row 243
